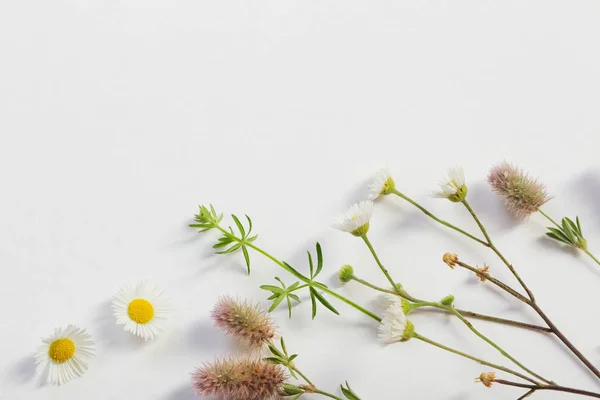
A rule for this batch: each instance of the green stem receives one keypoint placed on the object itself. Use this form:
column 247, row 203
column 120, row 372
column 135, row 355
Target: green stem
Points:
column 490, row 342
column 296, row 370
column 430, row 215
column 495, row 250
column 549, row 218
column 326, row 394
column 308, row 282
column 592, row 256
column 470, row 357
column 383, row 269
column 465, row 313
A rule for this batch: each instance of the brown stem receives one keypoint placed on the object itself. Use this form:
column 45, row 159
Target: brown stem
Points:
column 566, row 341
column 556, row 388
column 496, row 282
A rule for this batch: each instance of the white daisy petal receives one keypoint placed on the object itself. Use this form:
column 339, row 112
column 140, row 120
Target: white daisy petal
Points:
column 381, row 185
column 356, row 219
column 142, row 309
column 65, row 354
column 453, row 185
column 394, row 326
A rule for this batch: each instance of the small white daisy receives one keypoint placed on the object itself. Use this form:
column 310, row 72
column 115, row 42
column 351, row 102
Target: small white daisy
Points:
column 141, row 308
column 66, row 354
column 394, row 326
column 382, row 185
column 356, row 219
column 453, row 185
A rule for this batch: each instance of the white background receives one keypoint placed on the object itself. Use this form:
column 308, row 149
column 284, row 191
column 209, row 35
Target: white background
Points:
column 117, row 118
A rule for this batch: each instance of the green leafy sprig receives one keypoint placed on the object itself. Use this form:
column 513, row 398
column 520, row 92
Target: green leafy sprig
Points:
column 569, row 233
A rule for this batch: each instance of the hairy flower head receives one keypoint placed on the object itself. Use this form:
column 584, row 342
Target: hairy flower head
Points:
column 522, row 194
column 356, row 219
column 239, row 379
column 450, row 259
column 245, row 321
column 382, row 185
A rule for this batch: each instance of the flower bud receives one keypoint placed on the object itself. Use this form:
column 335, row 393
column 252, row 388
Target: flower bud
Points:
column 346, row 273
column 448, row 300
column 450, row 259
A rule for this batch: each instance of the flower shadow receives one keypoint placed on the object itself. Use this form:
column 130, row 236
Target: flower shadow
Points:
column 587, row 188
column 24, row 370
column 183, row 393
column 490, row 208
column 552, row 245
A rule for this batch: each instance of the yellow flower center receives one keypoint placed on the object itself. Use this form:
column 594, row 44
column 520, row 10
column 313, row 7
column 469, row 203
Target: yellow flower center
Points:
column 61, row 350
column 140, row 311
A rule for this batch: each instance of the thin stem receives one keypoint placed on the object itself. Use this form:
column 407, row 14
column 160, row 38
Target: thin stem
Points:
column 556, row 388
column 496, row 282
column 491, row 343
column 326, row 394
column 529, row 393
column 465, row 313
column 495, row 250
column 470, row 357
column 549, row 218
column 296, row 370
column 308, row 281
column 566, row 341
column 383, row 269
column 430, row 215
column 592, row 256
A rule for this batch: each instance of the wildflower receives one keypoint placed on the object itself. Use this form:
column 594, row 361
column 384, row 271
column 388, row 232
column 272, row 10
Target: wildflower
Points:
column 382, row 185
column 66, row 353
column 484, row 273
column 141, row 308
column 394, row 326
column 487, row 378
column 450, row 259
column 246, row 322
column 522, row 194
column 453, row 186
column 239, row 379
column 346, row 273
column 356, row 219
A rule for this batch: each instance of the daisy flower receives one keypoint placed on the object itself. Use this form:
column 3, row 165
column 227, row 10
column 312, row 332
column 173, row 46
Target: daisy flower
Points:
column 382, row 185
column 141, row 308
column 66, row 354
column 394, row 326
column 356, row 219
column 453, row 185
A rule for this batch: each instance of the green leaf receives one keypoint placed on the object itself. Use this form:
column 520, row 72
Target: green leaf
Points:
column 579, row 226
column 249, row 224
column 292, row 357
column 220, row 244
column 251, row 239
column 314, row 304
column 294, row 297
column 231, row 249
column 348, row 392
column 280, row 281
column 566, row 229
column 561, row 235
column 323, row 301
column 294, row 286
column 553, row 236
column 310, row 264
column 283, row 346
column 239, row 225
column 293, row 271
column 273, row 296
column 319, row 259
column 246, row 257
column 271, row 288
column 273, row 360
column 275, row 351
column 289, row 304
column 277, row 302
